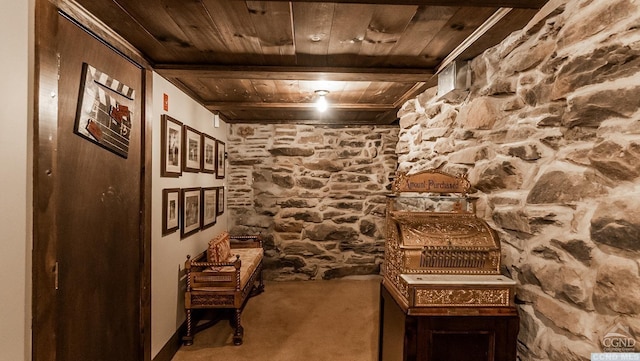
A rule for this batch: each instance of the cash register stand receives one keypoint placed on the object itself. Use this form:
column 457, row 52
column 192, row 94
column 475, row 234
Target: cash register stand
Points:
column 445, row 334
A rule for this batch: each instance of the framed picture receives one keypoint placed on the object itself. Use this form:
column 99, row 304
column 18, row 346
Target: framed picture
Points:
column 220, row 206
column 105, row 111
column 209, row 206
column 171, row 137
column 190, row 212
column 191, row 143
column 170, row 210
column 220, row 159
column 208, row 156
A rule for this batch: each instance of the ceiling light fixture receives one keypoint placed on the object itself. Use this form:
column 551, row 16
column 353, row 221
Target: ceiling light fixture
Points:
column 321, row 103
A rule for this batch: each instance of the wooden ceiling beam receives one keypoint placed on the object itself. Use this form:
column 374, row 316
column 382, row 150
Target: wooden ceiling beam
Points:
column 328, row 121
column 479, row 32
column 409, row 75
column 518, row 4
column 413, row 92
column 222, row 106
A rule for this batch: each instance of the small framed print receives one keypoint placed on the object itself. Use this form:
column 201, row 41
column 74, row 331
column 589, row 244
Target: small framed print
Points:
column 220, row 159
column 170, row 210
column 220, row 206
column 171, row 158
column 209, row 206
column 190, row 212
column 208, row 156
column 191, row 143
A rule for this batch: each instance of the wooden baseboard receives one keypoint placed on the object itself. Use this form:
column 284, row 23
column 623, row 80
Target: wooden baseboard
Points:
column 171, row 347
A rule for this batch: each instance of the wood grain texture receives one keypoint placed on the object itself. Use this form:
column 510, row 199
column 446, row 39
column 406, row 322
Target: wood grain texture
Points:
column 44, row 165
column 99, row 248
column 282, row 51
column 526, row 4
column 70, row 325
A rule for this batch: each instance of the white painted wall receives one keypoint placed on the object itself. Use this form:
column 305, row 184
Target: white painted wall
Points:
column 169, row 253
column 16, row 34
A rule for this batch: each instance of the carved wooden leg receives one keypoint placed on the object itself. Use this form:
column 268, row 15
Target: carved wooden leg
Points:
column 261, row 281
column 256, row 290
column 188, row 339
column 237, row 336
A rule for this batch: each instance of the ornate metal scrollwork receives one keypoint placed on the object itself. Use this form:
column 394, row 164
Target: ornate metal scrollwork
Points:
column 440, row 234
column 462, row 297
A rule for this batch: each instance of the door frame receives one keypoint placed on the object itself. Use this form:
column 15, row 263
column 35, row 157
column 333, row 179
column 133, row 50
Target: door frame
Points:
column 45, row 314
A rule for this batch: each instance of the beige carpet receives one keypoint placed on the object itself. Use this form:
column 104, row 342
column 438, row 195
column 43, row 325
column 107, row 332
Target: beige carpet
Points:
column 333, row 320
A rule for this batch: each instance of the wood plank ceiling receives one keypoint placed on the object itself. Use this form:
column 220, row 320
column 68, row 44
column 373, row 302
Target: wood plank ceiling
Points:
column 263, row 61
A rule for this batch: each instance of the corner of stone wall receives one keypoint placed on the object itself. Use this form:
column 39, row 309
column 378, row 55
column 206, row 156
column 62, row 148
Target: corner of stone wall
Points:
column 317, row 194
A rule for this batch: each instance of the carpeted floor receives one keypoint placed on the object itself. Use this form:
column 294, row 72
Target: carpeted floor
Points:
column 333, row 320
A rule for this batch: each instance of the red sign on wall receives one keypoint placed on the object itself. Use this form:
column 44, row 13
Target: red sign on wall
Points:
column 165, row 102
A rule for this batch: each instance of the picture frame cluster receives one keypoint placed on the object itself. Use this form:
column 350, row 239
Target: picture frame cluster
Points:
column 191, row 209
column 185, row 149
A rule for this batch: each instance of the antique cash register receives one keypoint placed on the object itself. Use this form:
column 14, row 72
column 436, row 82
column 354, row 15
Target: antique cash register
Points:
column 443, row 296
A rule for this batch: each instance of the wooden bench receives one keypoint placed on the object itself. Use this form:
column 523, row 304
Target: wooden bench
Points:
column 223, row 276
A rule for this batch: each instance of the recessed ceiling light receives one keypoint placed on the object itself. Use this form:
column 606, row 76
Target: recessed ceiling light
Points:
column 321, row 103
column 316, row 37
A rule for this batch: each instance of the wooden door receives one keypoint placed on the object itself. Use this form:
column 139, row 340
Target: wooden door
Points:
column 99, row 192
column 92, row 208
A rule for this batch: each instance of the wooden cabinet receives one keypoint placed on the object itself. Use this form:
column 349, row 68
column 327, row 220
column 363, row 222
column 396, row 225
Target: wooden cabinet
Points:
column 446, row 334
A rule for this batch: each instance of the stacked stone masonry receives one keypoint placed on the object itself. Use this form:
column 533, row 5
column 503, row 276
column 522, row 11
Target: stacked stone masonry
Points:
column 318, row 194
column 549, row 135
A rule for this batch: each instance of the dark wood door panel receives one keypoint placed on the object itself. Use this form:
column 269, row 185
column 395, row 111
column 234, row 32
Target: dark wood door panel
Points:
column 98, row 216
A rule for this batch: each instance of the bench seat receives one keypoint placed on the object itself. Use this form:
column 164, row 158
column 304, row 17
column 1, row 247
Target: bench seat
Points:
column 225, row 275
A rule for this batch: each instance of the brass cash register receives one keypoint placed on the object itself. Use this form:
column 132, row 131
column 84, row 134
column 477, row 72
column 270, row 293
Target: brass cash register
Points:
column 437, row 252
column 442, row 296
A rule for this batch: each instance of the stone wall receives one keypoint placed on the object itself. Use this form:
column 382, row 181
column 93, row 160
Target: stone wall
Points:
column 316, row 193
column 549, row 134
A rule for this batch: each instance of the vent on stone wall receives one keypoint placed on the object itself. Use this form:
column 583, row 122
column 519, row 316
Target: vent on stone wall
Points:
column 454, row 81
